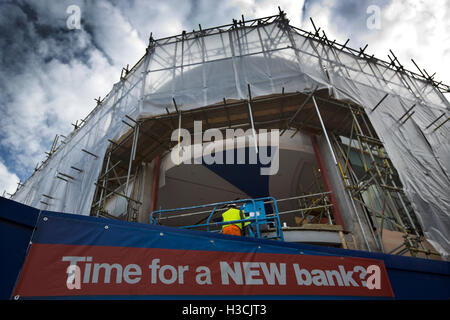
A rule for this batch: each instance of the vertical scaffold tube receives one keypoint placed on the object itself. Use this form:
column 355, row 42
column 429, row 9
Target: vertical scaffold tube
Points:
column 155, row 185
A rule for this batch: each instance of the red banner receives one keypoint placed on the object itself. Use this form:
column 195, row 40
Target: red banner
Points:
column 67, row 270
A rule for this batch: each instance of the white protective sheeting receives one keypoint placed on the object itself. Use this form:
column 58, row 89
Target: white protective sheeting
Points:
column 202, row 70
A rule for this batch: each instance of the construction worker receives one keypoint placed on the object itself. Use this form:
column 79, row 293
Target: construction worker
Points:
column 233, row 214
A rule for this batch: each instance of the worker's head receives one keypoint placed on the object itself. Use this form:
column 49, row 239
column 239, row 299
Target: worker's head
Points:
column 231, row 205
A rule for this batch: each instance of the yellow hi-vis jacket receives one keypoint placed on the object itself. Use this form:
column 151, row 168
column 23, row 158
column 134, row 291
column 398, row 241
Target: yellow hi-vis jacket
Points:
column 233, row 215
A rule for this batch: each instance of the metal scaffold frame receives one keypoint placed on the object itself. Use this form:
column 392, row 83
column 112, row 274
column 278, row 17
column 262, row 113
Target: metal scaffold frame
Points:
column 281, row 53
column 123, row 181
column 382, row 177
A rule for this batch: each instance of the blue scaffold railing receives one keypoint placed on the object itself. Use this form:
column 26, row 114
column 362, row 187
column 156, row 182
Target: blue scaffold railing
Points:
column 256, row 220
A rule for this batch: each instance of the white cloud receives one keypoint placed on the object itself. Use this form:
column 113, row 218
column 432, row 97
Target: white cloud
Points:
column 57, row 74
column 8, row 180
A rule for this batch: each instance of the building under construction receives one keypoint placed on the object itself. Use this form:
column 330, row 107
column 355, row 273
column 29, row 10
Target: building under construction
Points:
column 361, row 159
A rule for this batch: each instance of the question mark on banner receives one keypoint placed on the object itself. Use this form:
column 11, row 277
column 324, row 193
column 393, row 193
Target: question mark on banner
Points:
column 74, row 19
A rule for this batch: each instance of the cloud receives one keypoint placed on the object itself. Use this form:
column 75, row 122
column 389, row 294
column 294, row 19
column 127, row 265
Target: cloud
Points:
column 52, row 74
column 8, row 180
column 412, row 29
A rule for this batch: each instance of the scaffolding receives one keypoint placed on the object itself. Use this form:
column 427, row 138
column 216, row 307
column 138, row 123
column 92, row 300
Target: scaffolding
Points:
column 265, row 73
column 377, row 191
column 312, row 210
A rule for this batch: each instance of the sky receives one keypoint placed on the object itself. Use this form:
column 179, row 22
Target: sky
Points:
column 52, row 68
